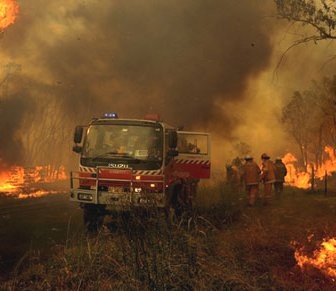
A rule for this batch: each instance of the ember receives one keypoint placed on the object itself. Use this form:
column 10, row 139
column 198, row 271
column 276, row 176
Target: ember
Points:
column 323, row 259
column 9, row 10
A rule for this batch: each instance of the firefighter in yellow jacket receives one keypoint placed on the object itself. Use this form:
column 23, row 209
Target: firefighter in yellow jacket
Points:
column 250, row 176
column 267, row 176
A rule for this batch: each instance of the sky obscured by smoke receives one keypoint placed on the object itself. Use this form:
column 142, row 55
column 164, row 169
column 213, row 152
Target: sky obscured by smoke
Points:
column 203, row 64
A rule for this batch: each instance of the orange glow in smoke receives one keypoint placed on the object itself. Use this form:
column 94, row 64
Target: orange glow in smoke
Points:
column 9, row 10
column 301, row 179
column 323, row 259
column 14, row 180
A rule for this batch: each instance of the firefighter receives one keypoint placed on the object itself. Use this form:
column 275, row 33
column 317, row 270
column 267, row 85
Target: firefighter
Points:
column 280, row 173
column 233, row 174
column 267, row 176
column 250, row 176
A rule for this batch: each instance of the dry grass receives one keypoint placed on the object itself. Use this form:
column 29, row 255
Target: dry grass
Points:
column 222, row 246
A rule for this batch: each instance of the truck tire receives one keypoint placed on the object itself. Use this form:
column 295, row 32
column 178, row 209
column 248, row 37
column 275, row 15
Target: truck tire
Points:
column 93, row 217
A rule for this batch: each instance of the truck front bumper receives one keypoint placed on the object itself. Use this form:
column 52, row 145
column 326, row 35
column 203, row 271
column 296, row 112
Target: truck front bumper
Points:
column 120, row 200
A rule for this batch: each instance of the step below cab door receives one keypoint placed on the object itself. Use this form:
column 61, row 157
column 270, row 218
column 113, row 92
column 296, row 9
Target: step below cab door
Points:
column 193, row 154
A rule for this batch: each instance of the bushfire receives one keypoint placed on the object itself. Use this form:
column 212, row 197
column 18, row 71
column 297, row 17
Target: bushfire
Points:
column 9, row 10
column 323, row 258
column 301, row 178
column 23, row 182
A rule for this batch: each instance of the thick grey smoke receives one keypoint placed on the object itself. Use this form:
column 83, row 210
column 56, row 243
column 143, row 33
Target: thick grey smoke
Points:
column 179, row 58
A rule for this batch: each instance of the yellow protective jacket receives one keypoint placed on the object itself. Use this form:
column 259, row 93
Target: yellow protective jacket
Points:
column 267, row 171
column 251, row 173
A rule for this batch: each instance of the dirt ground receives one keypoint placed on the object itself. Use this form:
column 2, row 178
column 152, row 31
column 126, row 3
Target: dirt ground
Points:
column 34, row 224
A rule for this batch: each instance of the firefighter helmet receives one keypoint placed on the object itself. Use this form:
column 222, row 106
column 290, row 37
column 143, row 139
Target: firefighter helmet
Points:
column 265, row 156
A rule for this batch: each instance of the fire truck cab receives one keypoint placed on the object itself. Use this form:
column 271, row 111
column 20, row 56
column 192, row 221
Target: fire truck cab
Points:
column 136, row 163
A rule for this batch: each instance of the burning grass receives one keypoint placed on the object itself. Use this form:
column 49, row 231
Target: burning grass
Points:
column 27, row 182
column 323, row 258
column 223, row 246
column 303, row 178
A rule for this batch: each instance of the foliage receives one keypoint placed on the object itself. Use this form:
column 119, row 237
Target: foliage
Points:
column 320, row 15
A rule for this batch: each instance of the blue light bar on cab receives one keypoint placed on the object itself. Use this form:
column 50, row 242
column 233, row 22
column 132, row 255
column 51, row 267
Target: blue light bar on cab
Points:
column 111, row 115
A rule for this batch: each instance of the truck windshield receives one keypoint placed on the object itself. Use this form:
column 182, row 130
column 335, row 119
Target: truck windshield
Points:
column 129, row 142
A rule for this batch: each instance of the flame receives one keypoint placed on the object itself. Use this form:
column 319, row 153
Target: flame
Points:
column 302, row 179
column 17, row 180
column 10, row 179
column 328, row 166
column 9, row 10
column 323, row 259
column 36, row 194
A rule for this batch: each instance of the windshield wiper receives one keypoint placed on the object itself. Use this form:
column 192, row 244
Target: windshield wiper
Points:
column 116, row 154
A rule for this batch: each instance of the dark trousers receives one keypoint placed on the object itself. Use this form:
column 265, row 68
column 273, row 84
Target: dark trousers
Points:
column 252, row 192
column 267, row 193
column 278, row 187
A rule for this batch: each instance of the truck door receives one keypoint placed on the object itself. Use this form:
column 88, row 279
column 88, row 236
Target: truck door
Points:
column 193, row 154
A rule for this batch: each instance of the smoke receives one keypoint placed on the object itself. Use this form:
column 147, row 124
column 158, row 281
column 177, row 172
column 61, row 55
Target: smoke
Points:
column 174, row 57
column 198, row 63
column 12, row 113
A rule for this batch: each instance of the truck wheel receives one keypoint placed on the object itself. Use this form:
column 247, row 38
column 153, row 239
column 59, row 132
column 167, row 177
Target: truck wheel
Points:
column 93, row 217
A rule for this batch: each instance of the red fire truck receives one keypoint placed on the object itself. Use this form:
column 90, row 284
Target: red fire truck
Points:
column 136, row 163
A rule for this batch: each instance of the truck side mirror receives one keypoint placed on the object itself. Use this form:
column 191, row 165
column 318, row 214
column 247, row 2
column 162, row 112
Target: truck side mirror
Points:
column 172, row 139
column 78, row 134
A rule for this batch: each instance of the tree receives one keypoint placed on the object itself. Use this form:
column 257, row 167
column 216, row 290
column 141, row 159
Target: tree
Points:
column 294, row 116
column 310, row 117
column 317, row 14
column 243, row 148
column 324, row 96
